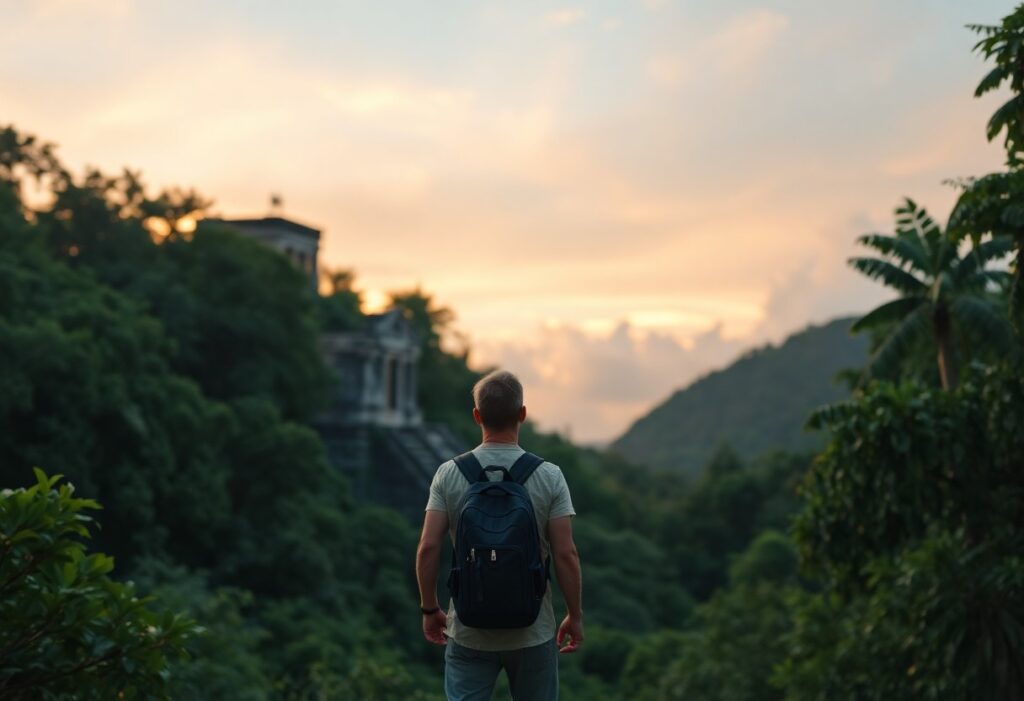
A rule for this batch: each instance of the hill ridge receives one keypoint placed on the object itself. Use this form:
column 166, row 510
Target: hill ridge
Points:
column 759, row 402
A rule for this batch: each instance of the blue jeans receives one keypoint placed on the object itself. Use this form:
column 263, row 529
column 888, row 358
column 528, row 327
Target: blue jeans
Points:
column 470, row 675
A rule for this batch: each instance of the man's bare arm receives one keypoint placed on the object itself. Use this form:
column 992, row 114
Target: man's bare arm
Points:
column 428, row 561
column 570, row 580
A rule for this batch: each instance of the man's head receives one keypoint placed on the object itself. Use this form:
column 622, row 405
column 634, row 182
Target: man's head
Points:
column 498, row 401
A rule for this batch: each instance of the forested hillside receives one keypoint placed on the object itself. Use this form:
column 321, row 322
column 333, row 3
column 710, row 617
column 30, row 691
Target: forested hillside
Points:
column 172, row 378
column 758, row 403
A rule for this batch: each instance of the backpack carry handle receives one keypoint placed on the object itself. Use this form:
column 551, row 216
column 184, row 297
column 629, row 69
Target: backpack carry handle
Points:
column 520, row 471
column 506, row 476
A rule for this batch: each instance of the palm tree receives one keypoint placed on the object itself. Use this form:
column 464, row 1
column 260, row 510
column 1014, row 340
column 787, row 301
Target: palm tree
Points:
column 942, row 293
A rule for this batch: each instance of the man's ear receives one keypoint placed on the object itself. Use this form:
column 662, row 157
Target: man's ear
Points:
column 522, row 413
column 476, row 417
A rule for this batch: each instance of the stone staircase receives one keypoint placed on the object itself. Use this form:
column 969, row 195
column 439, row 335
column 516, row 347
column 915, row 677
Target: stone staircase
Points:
column 421, row 449
column 404, row 461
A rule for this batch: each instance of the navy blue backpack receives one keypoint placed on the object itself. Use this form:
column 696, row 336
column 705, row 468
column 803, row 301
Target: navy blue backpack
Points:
column 498, row 578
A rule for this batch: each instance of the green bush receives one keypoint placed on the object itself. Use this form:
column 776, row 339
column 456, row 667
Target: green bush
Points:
column 68, row 629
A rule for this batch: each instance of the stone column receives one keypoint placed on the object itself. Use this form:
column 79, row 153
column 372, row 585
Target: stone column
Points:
column 410, row 383
column 399, row 385
column 365, row 400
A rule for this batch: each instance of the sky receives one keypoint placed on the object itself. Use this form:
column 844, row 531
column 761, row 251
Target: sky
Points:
column 614, row 197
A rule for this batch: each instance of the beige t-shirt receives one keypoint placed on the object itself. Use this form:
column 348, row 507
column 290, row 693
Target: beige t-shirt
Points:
column 550, row 496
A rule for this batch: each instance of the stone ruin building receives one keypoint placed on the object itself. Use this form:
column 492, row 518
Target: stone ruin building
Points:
column 373, row 429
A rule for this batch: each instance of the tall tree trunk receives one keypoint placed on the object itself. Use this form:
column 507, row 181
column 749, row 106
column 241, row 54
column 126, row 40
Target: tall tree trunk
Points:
column 944, row 341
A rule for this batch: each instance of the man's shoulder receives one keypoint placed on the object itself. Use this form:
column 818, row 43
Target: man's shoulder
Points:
column 549, row 475
column 549, row 469
column 445, row 469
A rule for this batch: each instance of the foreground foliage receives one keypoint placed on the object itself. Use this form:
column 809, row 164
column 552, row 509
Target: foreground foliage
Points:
column 68, row 629
column 913, row 526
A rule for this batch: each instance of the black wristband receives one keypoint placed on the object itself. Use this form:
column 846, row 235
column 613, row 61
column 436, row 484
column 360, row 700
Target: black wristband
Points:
column 427, row 612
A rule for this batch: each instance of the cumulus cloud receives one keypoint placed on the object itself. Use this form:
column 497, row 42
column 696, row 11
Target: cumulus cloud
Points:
column 593, row 386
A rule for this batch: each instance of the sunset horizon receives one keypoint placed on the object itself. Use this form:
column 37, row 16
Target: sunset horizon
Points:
column 648, row 188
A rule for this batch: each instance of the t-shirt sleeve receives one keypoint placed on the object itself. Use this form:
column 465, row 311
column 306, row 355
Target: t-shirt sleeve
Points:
column 437, row 500
column 561, row 501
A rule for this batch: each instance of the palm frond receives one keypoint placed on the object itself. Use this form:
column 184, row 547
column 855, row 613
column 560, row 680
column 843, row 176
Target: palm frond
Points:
column 982, row 279
column 888, row 313
column 992, row 81
column 975, row 260
column 896, row 346
column 1004, row 116
column 907, row 249
column 913, row 221
column 912, row 218
column 984, row 320
column 828, row 415
column 888, row 274
column 946, row 254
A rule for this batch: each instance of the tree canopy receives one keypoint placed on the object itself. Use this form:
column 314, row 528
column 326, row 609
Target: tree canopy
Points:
column 949, row 302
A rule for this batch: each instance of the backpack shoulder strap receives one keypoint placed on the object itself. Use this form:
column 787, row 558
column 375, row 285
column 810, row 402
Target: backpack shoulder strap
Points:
column 469, row 466
column 524, row 467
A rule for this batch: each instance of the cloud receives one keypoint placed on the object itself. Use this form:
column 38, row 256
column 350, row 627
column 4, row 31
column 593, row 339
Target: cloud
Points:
column 594, row 386
column 815, row 292
column 745, row 39
column 564, row 18
column 734, row 50
column 393, row 98
column 696, row 171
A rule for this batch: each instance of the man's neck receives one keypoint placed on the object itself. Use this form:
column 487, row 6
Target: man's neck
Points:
column 510, row 437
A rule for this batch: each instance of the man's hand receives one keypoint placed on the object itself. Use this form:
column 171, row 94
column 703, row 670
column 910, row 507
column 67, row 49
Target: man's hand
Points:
column 433, row 627
column 435, row 525
column 571, row 634
column 570, row 581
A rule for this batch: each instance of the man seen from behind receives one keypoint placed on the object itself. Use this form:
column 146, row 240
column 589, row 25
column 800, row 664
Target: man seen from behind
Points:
column 474, row 656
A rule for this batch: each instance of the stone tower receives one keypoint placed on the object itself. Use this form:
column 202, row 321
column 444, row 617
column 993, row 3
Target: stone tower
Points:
column 372, row 427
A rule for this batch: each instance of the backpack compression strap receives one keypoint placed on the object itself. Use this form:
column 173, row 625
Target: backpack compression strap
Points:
column 523, row 467
column 469, row 466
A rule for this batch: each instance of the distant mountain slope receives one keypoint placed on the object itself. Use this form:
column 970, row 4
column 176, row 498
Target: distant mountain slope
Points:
column 758, row 403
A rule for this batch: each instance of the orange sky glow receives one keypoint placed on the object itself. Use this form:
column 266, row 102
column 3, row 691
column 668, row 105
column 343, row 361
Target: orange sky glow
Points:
column 613, row 197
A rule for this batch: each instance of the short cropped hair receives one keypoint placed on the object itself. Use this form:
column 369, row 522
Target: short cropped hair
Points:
column 498, row 397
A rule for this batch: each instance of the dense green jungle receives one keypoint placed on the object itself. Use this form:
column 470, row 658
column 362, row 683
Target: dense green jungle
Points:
column 207, row 551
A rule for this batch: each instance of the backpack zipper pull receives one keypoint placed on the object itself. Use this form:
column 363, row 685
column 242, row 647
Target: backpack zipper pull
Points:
column 472, row 554
column 494, row 556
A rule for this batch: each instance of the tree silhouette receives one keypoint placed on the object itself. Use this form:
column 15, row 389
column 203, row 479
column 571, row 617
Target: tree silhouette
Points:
column 942, row 294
